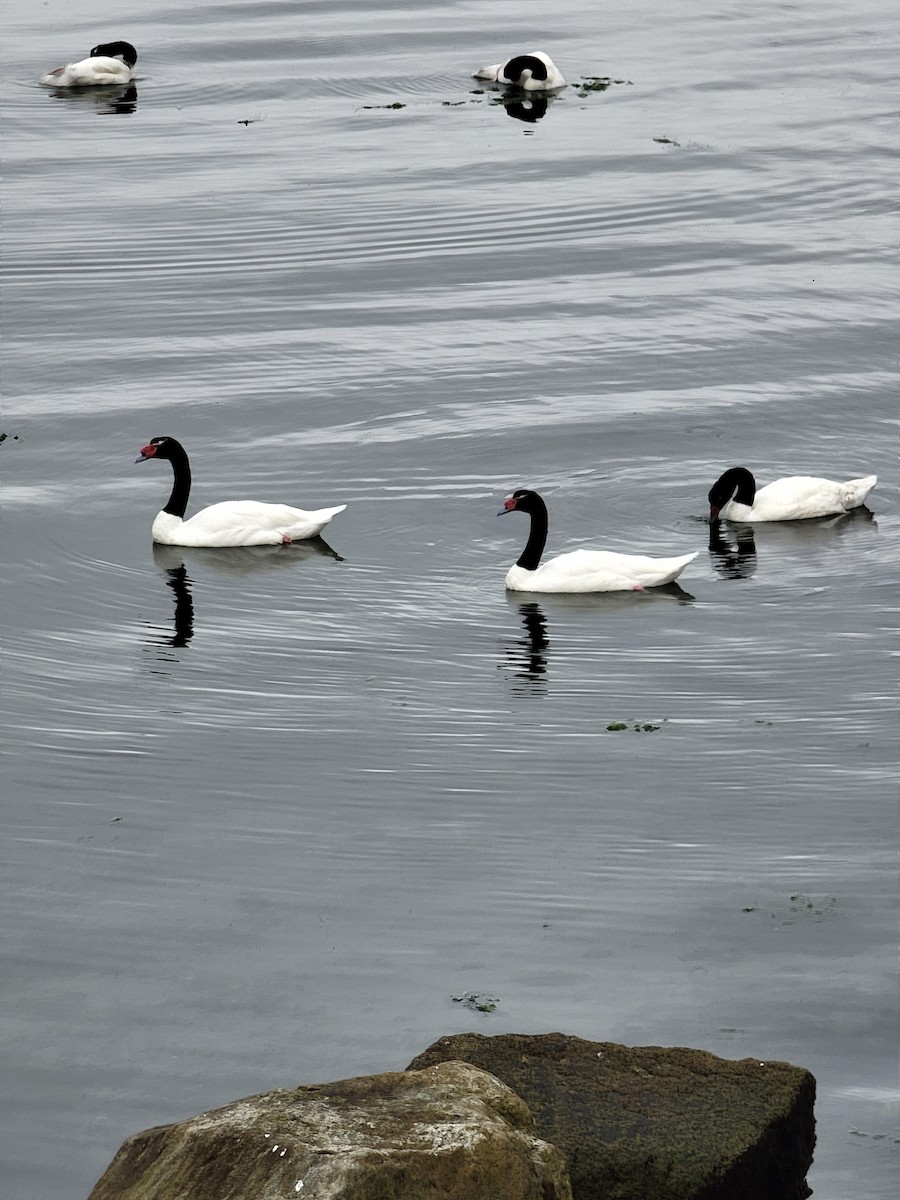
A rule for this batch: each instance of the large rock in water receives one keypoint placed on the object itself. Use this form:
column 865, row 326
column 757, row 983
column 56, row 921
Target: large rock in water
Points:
column 655, row 1123
column 450, row 1131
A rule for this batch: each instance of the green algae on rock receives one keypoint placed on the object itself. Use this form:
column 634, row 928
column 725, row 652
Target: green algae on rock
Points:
column 449, row 1130
column 655, row 1122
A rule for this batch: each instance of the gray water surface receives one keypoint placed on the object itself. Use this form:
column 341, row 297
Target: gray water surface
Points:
column 268, row 811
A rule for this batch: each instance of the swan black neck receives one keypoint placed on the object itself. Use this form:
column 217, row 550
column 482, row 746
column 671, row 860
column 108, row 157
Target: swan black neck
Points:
column 517, row 66
column 736, row 484
column 181, row 484
column 168, row 447
column 123, row 50
column 532, row 503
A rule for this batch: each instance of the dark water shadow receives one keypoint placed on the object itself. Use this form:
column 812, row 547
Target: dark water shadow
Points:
column 161, row 638
column 525, row 658
column 670, row 591
column 606, row 602
column 732, row 551
column 812, row 530
column 529, row 107
column 519, row 104
column 244, row 560
column 118, row 99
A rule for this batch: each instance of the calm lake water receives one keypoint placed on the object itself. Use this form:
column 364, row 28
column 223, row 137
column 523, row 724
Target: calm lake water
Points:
column 268, row 812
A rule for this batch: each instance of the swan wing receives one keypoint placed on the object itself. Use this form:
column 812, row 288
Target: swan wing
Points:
column 598, row 571
column 244, row 523
column 799, row 497
column 90, row 72
column 652, row 572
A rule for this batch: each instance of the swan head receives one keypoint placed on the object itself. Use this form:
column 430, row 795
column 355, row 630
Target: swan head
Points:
column 158, row 447
column 523, row 500
column 124, row 51
column 735, row 484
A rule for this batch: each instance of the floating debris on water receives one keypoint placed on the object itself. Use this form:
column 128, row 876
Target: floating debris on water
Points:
column 598, row 83
column 477, row 1001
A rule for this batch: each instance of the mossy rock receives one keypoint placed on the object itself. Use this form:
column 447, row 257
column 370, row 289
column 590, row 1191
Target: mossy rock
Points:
column 655, row 1122
column 449, row 1132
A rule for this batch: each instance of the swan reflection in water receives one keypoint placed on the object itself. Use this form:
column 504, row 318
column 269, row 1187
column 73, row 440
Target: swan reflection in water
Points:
column 179, row 582
column 245, row 560
column 732, row 545
column 821, row 530
column 732, row 550
column 526, row 657
column 242, row 560
column 119, row 98
column 524, row 106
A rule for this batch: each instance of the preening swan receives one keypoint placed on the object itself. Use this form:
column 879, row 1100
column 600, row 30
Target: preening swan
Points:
column 533, row 72
column 795, row 498
column 231, row 523
column 110, row 62
column 581, row 570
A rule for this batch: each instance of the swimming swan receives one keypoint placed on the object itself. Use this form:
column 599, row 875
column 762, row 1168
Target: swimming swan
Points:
column 534, row 72
column 231, row 523
column 795, row 498
column 110, row 62
column 581, row 570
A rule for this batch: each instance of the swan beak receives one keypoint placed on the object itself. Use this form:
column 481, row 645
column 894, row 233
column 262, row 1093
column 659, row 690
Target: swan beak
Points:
column 142, row 457
column 147, row 451
column 508, row 507
column 713, row 514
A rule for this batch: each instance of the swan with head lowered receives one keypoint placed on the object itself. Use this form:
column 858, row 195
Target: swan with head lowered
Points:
column 581, row 570
column 231, row 523
column 108, row 63
column 532, row 72
column 734, row 496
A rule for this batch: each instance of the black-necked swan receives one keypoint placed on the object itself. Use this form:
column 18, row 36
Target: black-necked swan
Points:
column 231, row 523
column 581, row 570
column 795, row 498
column 533, row 72
column 110, row 62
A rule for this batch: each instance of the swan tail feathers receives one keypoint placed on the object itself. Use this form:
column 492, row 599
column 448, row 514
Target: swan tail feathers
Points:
column 328, row 513
column 855, row 491
column 674, row 566
column 312, row 524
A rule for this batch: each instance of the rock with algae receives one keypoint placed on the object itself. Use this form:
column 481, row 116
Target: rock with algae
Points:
column 655, row 1122
column 449, row 1130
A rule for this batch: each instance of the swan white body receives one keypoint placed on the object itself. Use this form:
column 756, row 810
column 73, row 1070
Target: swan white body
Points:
column 230, row 523
column 799, row 497
column 597, row 571
column 110, row 63
column 540, row 76
column 581, row 570
column 241, row 523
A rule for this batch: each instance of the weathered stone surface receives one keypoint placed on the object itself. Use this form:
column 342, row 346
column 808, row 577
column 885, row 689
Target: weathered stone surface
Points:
column 447, row 1132
column 655, row 1123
